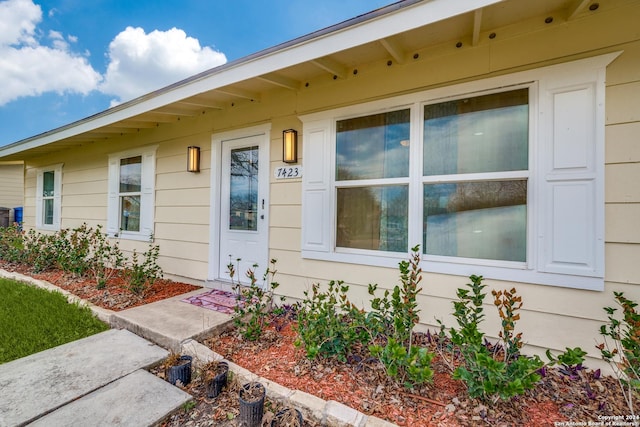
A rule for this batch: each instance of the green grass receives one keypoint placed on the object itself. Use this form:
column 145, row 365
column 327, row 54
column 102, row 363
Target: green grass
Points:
column 34, row 319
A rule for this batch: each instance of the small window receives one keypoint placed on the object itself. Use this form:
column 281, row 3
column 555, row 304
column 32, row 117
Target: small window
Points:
column 48, row 197
column 130, row 208
column 130, row 193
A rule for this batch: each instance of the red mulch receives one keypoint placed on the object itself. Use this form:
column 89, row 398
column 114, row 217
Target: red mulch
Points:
column 363, row 385
column 114, row 296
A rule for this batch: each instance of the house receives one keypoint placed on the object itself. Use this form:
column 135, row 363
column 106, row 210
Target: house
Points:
column 501, row 136
column 11, row 188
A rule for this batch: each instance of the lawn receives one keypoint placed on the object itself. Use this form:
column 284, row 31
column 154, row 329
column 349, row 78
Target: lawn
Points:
column 34, row 319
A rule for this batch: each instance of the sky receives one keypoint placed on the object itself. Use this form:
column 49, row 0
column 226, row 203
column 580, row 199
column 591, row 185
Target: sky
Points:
column 64, row 60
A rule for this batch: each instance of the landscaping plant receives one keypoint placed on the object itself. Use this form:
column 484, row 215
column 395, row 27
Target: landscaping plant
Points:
column 142, row 274
column 328, row 323
column 621, row 347
column 254, row 302
column 392, row 320
column 485, row 376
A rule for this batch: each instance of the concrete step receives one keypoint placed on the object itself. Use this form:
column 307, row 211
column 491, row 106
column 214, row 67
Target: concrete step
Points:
column 138, row 399
column 43, row 382
column 170, row 322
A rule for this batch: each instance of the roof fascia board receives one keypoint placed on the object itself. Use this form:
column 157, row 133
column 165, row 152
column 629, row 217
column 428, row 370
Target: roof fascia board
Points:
column 352, row 33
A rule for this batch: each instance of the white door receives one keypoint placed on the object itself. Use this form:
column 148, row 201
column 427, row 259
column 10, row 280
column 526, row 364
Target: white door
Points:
column 244, row 207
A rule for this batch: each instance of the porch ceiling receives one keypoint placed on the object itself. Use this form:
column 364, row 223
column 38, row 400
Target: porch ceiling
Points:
column 170, row 104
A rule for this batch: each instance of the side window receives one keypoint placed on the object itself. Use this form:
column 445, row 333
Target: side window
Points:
column 131, row 194
column 49, row 197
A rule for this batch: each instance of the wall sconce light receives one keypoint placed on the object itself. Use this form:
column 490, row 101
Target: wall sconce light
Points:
column 290, row 146
column 193, row 159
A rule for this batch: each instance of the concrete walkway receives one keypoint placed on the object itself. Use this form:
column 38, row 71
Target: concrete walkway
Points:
column 101, row 380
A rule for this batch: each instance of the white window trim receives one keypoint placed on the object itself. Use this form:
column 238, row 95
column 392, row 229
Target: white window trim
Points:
column 147, row 199
column 57, row 197
column 548, row 86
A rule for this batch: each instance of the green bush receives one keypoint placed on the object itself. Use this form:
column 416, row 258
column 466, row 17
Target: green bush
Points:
column 392, row 319
column 328, row 323
column 251, row 312
column 485, row 376
column 140, row 274
column 12, row 244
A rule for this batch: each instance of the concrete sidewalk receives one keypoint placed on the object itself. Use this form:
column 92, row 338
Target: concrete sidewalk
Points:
column 97, row 380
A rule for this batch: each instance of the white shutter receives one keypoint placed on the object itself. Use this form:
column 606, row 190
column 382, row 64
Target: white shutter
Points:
column 147, row 202
column 39, row 207
column 113, row 203
column 317, row 213
column 570, row 182
column 57, row 197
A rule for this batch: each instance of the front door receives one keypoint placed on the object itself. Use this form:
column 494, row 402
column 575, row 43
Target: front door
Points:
column 243, row 208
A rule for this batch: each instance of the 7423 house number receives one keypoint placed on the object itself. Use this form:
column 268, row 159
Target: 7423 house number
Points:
column 288, row 172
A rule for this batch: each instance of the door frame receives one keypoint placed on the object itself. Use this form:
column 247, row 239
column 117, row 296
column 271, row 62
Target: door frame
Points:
column 215, row 220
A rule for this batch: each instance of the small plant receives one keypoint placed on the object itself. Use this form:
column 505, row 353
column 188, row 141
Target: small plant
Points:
column 12, row 244
column 486, row 377
column 411, row 367
column 140, row 275
column 254, row 303
column 623, row 352
column 106, row 258
column 571, row 360
column 328, row 323
column 393, row 319
column 74, row 249
column 508, row 303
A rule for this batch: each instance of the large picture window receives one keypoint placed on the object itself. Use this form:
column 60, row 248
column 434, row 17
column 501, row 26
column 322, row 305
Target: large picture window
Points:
column 501, row 177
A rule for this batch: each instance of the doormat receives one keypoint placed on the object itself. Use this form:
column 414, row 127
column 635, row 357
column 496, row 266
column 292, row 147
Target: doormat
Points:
column 215, row 299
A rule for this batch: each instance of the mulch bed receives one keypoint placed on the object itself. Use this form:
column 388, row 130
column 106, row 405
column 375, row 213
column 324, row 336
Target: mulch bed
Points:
column 114, row 296
column 363, row 384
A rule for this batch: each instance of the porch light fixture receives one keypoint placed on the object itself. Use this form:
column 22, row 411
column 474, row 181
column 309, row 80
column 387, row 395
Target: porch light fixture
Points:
column 290, row 146
column 193, row 159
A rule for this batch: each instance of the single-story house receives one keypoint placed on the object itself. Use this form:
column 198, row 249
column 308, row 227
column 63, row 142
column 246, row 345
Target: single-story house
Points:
column 500, row 136
column 11, row 190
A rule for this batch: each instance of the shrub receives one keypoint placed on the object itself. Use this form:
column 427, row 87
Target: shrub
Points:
column 393, row 320
column 487, row 377
column 255, row 303
column 40, row 251
column 106, row 258
column 328, row 323
column 142, row 274
column 12, row 244
column 623, row 353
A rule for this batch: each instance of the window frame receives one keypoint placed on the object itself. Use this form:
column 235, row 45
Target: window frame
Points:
column 548, row 87
column 57, row 197
column 147, row 194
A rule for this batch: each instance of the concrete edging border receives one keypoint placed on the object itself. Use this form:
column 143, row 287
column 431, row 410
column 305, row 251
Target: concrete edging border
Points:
column 329, row 413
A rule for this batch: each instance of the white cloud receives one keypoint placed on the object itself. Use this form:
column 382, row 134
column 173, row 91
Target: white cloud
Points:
column 28, row 68
column 140, row 62
column 32, row 63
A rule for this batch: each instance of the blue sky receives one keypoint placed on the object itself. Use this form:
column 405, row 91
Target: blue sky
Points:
column 63, row 60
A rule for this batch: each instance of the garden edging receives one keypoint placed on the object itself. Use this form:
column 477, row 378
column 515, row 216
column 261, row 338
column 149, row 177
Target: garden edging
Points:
column 330, row 413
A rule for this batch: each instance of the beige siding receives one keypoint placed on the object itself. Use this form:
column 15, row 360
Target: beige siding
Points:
column 11, row 186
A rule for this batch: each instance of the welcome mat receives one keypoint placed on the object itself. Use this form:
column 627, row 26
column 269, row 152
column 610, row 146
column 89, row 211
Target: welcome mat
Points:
column 215, row 299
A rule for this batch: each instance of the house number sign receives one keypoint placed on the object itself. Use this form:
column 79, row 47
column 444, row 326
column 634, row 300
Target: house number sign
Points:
column 288, row 172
